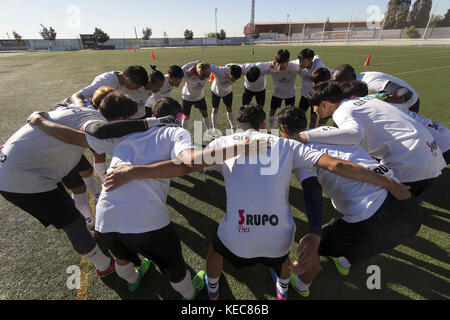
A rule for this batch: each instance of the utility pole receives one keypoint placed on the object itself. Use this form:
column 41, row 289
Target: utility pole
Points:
column 135, row 32
column 289, row 32
column 429, row 20
column 216, row 18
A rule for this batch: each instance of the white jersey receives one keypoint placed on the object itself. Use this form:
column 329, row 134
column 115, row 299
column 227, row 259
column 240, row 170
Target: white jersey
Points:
column 356, row 200
column 393, row 137
column 377, row 81
column 439, row 132
column 164, row 92
column 139, row 206
column 109, row 79
column 304, row 73
column 260, row 84
column 259, row 220
column 35, row 162
column 193, row 86
column 222, row 84
column 284, row 81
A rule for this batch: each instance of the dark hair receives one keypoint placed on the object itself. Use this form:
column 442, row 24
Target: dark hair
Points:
column 320, row 75
column 354, row 88
column 175, row 71
column 306, row 54
column 115, row 105
column 166, row 107
column 344, row 73
column 325, row 91
column 137, row 74
column 283, row 55
column 293, row 118
column 156, row 75
column 253, row 74
column 235, row 71
column 252, row 114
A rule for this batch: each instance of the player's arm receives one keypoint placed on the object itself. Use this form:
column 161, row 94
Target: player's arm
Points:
column 78, row 99
column 350, row 170
column 341, row 136
column 61, row 132
column 398, row 94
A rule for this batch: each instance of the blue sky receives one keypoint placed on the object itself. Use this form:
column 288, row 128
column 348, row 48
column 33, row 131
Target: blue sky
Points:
column 118, row 17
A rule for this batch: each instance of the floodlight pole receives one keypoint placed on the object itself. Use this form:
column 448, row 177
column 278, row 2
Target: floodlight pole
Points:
column 215, row 12
column 382, row 26
column 304, row 26
column 429, row 20
column 348, row 29
column 289, row 32
column 323, row 31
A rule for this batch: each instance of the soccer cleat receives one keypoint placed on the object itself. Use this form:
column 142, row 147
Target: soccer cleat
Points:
column 198, row 282
column 107, row 272
column 292, row 283
column 280, row 295
column 343, row 271
column 142, row 269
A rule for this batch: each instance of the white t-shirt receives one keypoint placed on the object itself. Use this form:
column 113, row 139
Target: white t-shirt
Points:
column 356, row 200
column 35, row 162
column 222, row 84
column 193, row 86
column 304, row 73
column 139, row 206
column 439, row 132
column 109, row 79
column 165, row 91
column 284, row 81
column 260, row 84
column 377, row 81
column 391, row 136
column 259, row 220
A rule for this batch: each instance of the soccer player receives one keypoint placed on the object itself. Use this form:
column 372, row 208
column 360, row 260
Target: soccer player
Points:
column 308, row 63
column 384, row 131
column 255, row 82
column 258, row 226
column 141, row 96
column 33, row 163
column 403, row 96
column 172, row 79
column 373, row 220
column 221, row 88
column 284, row 76
column 196, row 74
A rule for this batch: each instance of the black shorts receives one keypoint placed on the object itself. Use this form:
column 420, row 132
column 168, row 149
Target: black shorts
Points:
column 227, row 100
column 393, row 222
column 161, row 246
column 239, row 263
column 276, row 102
column 418, row 187
column 304, row 104
column 73, row 179
column 54, row 207
column 248, row 96
column 187, row 105
column 446, row 155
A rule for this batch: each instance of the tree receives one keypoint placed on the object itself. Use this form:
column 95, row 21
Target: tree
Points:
column 47, row 34
column 221, row 35
column 328, row 25
column 165, row 35
column 391, row 14
column 255, row 35
column 445, row 21
column 146, row 33
column 17, row 36
column 212, row 35
column 402, row 13
column 413, row 13
column 435, row 20
column 421, row 13
column 411, row 32
column 100, row 35
column 188, row 35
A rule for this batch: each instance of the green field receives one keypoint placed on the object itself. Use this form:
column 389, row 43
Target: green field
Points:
column 34, row 260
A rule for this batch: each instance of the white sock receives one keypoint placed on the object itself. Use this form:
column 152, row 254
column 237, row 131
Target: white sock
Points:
column 184, row 287
column 283, row 284
column 98, row 259
column 100, row 168
column 206, row 122
column 271, row 122
column 127, row 272
column 212, row 284
column 82, row 204
column 185, row 123
column 230, row 119
column 344, row 262
column 213, row 119
column 92, row 186
column 300, row 285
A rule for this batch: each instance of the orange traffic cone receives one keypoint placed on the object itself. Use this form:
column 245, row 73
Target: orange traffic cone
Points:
column 134, row 49
column 153, row 56
column 367, row 63
column 253, row 51
column 212, row 77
